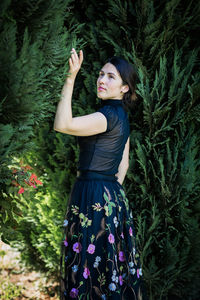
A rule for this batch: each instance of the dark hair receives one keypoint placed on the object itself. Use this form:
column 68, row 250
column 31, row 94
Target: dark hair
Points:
column 129, row 77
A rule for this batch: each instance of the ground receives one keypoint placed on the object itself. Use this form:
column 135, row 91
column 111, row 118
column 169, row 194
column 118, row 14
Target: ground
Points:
column 17, row 283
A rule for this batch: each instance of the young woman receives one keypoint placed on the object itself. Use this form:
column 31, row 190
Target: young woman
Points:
column 99, row 257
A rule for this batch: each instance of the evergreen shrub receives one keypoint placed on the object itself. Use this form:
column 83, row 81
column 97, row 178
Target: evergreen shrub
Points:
column 162, row 184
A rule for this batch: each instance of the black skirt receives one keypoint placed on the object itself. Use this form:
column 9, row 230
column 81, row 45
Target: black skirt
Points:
column 99, row 259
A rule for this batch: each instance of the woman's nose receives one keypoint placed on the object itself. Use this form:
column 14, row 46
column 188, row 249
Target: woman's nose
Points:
column 102, row 79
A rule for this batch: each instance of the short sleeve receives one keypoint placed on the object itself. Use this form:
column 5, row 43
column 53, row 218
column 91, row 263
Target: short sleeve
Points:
column 111, row 116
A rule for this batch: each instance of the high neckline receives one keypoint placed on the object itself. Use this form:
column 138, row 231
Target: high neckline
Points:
column 111, row 102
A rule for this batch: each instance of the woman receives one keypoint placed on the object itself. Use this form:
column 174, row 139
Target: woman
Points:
column 99, row 258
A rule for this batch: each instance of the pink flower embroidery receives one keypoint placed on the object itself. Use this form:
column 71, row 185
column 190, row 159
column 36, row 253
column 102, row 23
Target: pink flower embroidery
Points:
column 73, row 293
column 120, row 280
column 131, row 231
column 139, row 272
column 86, row 273
column 111, row 238
column 77, row 247
column 91, row 249
column 121, row 256
column 122, row 235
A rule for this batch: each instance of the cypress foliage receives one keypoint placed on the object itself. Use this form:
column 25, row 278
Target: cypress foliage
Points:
column 162, row 184
column 33, row 56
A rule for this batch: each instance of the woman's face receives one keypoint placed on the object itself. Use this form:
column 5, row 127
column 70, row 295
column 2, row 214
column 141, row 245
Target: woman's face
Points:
column 109, row 83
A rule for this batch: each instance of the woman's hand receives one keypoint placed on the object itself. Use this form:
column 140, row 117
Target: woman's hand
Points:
column 75, row 62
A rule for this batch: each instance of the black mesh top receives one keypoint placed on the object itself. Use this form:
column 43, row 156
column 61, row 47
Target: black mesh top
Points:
column 103, row 152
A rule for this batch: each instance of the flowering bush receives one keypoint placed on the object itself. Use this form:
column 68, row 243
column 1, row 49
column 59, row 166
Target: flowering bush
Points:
column 24, row 178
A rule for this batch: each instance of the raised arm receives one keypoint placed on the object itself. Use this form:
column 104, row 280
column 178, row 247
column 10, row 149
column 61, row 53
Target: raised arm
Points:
column 124, row 164
column 64, row 121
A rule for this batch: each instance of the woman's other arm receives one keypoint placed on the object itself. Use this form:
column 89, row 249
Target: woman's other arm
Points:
column 64, row 122
column 124, row 164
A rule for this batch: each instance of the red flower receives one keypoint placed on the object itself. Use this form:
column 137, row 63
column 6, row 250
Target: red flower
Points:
column 33, row 178
column 23, row 176
column 21, row 190
column 38, row 182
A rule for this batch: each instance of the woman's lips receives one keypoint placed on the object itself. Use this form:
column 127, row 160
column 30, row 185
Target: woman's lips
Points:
column 100, row 88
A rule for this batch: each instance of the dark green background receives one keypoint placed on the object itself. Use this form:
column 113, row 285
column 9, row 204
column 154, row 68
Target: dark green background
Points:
column 161, row 38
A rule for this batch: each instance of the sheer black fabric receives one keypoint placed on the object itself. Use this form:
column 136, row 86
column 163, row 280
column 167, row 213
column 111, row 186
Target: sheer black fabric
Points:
column 103, row 152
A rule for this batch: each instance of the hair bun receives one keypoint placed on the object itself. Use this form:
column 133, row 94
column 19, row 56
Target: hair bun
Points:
column 129, row 77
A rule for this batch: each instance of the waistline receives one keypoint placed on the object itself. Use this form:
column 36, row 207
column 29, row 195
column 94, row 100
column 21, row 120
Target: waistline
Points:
column 96, row 175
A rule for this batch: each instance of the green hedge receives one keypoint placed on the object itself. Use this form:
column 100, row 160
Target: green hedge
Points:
column 162, row 184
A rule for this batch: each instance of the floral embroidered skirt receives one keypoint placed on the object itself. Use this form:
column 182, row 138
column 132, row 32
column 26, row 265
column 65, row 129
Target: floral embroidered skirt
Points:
column 99, row 259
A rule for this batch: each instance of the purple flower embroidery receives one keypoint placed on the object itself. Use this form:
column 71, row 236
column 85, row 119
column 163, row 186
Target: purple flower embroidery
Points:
column 86, row 273
column 131, row 231
column 121, row 256
column 138, row 273
column 65, row 242
column 120, row 280
column 73, row 293
column 77, row 247
column 111, row 238
column 91, row 249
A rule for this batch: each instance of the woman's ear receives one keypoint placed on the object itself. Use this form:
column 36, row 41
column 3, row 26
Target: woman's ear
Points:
column 125, row 88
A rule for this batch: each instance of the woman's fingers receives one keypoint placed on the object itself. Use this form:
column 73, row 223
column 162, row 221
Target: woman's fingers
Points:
column 81, row 56
column 70, row 62
column 75, row 61
column 75, row 54
column 75, row 57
